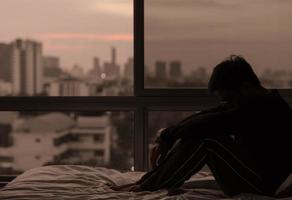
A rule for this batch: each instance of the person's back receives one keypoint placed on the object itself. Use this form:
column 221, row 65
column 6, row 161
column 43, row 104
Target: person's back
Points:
column 263, row 133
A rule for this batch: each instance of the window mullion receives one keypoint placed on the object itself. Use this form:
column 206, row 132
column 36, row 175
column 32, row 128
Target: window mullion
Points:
column 140, row 139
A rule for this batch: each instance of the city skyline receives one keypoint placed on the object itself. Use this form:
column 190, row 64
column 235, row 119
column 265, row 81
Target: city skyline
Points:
column 25, row 70
column 205, row 32
column 208, row 30
column 88, row 67
column 76, row 31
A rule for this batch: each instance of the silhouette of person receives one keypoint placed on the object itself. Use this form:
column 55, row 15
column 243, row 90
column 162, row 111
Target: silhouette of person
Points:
column 244, row 140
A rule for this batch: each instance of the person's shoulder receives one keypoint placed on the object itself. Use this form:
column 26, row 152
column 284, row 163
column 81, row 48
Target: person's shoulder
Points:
column 273, row 103
column 276, row 97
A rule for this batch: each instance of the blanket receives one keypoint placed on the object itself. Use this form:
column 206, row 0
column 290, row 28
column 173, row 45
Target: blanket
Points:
column 75, row 182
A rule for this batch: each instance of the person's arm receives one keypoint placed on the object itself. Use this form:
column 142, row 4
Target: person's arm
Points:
column 219, row 118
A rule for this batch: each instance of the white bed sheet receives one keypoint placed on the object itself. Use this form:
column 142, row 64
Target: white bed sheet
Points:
column 75, row 182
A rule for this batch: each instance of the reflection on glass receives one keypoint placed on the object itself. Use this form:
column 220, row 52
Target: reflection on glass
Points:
column 29, row 140
column 61, row 48
column 185, row 39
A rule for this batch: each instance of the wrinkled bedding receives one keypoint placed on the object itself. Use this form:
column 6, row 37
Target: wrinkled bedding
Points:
column 74, row 182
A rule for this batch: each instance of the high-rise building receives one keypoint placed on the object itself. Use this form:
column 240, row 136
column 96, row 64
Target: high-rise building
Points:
column 111, row 69
column 27, row 67
column 7, row 122
column 96, row 70
column 51, row 62
column 54, row 138
column 15, row 69
column 51, row 67
column 94, row 133
column 21, row 64
column 36, row 140
column 5, row 62
column 160, row 69
column 96, row 66
column 175, row 70
column 77, row 71
column 114, row 56
column 128, row 69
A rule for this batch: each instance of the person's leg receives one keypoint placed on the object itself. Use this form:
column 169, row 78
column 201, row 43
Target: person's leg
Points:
column 185, row 159
column 234, row 170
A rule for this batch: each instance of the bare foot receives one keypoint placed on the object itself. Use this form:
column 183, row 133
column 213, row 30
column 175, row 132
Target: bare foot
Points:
column 135, row 188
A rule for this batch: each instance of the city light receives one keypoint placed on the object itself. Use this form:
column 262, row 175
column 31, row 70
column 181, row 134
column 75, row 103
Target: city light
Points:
column 103, row 76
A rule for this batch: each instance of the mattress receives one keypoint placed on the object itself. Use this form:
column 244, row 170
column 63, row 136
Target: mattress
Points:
column 75, row 182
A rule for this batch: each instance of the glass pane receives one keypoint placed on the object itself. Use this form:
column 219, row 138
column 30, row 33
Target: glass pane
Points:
column 165, row 118
column 185, row 39
column 66, row 48
column 29, row 139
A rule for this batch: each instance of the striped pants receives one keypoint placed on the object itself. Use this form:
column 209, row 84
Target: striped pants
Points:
column 234, row 171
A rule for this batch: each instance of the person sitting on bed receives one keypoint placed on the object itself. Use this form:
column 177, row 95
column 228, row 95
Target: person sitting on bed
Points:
column 244, row 140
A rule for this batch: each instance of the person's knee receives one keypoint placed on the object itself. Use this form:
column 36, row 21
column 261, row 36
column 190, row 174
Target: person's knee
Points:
column 225, row 141
column 211, row 142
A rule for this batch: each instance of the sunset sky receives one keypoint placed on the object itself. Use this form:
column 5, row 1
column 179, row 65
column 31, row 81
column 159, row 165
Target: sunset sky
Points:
column 197, row 32
column 74, row 30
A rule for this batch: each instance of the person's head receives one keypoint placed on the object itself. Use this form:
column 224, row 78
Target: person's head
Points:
column 232, row 77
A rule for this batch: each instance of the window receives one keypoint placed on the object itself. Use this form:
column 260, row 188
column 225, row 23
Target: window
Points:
column 5, row 139
column 58, row 132
column 149, row 98
column 66, row 138
column 99, row 153
column 185, row 39
column 99, row 138
column 61, row 48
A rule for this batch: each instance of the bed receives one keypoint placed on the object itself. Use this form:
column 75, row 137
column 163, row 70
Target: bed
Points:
column 75, row 182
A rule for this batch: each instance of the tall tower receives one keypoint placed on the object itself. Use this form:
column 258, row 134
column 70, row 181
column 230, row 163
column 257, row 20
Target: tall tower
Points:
column 15, row 66
column 114, row 56
column 112, row 69
column 5, row 62
column 175, row 70
column 28, row 63
column 96, row 66
column 160, row 69
column 128, row 69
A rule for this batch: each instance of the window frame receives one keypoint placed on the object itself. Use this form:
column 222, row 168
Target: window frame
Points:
column 139, row 75
column 142, row 101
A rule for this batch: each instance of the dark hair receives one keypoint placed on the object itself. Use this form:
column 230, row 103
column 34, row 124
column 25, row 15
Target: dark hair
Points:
column 231, row 73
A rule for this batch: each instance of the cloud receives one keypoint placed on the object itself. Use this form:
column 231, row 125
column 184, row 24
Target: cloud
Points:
column 113, row 7
column 63, row 48
column 87, row 36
